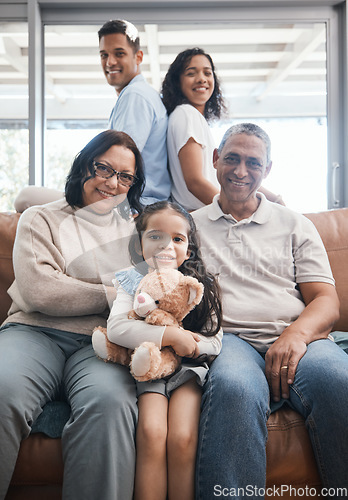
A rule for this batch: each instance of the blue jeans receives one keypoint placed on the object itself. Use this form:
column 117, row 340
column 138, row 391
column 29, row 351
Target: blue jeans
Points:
column 235, row 408
column 98, row 440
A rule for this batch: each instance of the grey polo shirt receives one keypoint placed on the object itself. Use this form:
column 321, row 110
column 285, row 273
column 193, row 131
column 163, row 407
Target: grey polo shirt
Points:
column 260, row 261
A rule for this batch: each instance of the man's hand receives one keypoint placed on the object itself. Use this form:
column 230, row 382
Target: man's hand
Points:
column 281, row 362
column 314, row 323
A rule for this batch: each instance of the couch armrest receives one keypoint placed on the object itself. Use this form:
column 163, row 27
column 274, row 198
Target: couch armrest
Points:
column 332, row 226
column 8, row 225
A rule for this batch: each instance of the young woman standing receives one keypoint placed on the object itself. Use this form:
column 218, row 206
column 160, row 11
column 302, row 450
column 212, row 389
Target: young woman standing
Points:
column 193, row 99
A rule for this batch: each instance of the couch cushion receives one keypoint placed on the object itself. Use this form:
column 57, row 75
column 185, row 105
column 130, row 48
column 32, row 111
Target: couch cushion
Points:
column 289, row 452
column 333, row 229
column 51, row 421
column 39, row 462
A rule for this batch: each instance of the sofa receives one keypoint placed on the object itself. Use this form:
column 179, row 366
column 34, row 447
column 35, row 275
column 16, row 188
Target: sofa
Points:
column 290, row 460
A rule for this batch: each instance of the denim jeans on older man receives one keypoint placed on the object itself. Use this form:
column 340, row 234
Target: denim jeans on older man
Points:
column 235, row 408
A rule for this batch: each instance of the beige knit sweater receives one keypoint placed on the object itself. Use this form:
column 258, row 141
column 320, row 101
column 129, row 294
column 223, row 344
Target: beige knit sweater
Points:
column 63, row 261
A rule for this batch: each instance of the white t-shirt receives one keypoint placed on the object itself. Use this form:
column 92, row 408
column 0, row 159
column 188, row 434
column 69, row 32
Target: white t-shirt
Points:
column 186, row 122
column 260, row 261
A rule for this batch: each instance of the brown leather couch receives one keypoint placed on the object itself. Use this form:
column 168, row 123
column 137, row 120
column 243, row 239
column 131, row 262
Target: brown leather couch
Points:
column 290, row 460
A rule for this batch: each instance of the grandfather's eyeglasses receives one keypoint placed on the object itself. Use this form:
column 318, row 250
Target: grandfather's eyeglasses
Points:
column 105, row 171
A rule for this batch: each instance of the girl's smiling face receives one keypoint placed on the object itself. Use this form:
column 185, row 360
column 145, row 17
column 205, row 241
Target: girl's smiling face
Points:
column 165, row 240
column 197, row 82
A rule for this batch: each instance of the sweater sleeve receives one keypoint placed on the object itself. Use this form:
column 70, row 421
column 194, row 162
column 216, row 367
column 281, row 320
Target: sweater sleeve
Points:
column 130, row 332
column 41, row 283
column 211, row 346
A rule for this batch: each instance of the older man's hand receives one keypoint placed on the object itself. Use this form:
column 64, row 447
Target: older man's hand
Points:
column 281, row 362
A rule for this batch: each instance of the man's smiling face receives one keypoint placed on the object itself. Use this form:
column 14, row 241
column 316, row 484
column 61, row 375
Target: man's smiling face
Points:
column 119, row 62
column 241, row 167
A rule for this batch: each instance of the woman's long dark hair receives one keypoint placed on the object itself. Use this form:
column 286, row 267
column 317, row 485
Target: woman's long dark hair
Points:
column 207, row 315
column 82, row 170
column 172, row 94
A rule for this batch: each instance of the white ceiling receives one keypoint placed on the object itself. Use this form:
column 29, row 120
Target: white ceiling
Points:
column 265, row 69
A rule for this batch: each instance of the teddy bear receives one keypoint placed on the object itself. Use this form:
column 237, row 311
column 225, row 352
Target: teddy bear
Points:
column 163, row 297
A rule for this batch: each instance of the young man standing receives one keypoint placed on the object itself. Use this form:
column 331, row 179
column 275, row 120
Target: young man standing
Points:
column 138, row 110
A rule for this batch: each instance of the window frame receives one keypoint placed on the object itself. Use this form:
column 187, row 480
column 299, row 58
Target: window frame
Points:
column 332, row 13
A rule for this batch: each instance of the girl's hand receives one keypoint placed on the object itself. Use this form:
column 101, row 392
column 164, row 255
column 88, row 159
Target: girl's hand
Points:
column 182, row 341
column 197, row 339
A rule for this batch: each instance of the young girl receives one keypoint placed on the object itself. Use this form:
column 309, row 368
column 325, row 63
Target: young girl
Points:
column 169, row 409
column 192, row 96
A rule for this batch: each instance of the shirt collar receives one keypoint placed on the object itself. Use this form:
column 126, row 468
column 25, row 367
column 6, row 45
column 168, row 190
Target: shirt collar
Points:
column 137, row 78
column 260, row 216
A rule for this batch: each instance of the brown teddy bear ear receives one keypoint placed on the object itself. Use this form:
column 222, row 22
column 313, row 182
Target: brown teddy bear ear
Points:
column 196, row 292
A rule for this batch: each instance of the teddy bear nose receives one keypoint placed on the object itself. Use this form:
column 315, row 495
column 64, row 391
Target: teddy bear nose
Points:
column 141, row 299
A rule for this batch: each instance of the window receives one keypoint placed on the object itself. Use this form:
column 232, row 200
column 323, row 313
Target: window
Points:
column 14, row 137
column 284, row 67
column 273, row 74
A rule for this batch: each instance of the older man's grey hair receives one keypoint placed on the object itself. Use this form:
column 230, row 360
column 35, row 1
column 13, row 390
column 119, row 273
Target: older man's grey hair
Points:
column 249, row 129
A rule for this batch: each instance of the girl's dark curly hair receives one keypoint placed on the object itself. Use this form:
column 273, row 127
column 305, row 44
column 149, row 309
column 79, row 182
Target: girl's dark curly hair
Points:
column 82, row 170
column 207, row 315
column 172, row 94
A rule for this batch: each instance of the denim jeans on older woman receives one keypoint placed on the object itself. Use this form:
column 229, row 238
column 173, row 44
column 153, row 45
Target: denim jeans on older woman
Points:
column 235, row 407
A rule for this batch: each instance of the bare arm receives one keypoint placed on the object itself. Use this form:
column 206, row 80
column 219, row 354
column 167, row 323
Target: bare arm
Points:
column 314, row 323
column 191, row 161
column 276, row 198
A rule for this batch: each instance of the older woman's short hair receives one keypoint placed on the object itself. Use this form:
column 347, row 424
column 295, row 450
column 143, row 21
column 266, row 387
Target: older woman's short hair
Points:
column 82, row 168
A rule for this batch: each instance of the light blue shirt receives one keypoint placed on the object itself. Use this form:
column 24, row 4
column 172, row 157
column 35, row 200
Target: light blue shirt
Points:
column 140, row 113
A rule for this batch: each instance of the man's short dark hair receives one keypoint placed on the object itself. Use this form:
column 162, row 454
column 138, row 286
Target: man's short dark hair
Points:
column 125, row 28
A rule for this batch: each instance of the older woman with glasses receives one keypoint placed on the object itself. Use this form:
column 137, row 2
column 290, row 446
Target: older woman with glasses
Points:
column 65, row 256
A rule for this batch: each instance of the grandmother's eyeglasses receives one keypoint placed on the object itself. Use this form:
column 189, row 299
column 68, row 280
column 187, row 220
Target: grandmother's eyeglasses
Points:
column 105, row 171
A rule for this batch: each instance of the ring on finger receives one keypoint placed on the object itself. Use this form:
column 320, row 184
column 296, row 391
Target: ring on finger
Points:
column 284, row 367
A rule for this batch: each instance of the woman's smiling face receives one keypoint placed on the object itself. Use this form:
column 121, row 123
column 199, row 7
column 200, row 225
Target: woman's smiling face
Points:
column 197, row 82
column 104, row 194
